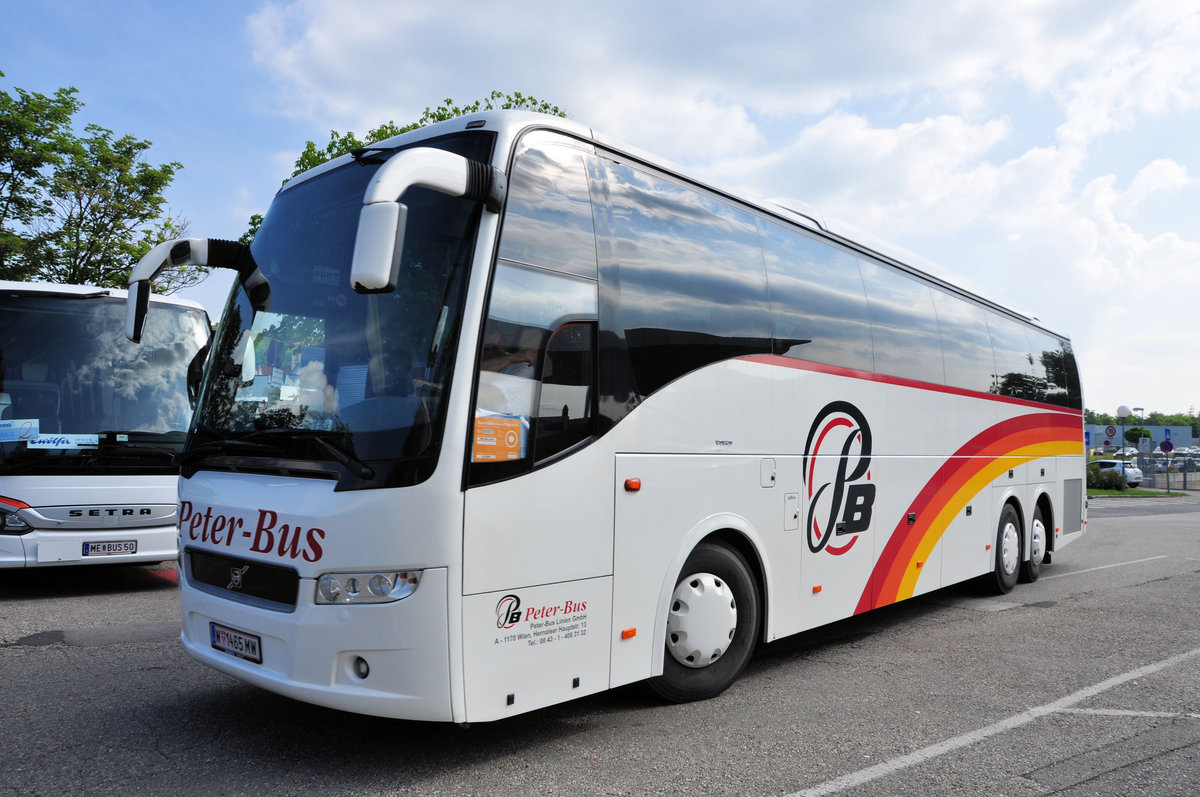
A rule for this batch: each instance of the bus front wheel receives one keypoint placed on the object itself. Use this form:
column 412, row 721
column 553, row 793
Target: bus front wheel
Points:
column 712, row 625
column 1008, row 550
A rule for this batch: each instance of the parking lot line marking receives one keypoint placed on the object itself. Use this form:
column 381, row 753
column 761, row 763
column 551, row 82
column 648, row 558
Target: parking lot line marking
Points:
column 1102, row 567
column 1120, row 712
column 869, row 774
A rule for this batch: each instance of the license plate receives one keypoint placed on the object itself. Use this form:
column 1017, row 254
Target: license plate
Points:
column 235, row 643
column 109, row 548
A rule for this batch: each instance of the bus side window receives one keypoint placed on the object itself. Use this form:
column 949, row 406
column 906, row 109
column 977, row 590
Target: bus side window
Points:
column 535, row 370
column 565, row 404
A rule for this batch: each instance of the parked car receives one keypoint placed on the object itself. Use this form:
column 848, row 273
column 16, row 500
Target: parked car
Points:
column 1130, row 472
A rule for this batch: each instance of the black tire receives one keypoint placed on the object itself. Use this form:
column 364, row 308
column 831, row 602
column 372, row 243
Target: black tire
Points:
column 722, row 577
column 1008, row 551
column 1039, row 538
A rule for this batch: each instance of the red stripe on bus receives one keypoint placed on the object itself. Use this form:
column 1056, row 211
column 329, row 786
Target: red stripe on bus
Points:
column 971, row 459
column 870, row 376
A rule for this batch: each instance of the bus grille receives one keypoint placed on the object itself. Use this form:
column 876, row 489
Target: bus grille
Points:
column 261, row 584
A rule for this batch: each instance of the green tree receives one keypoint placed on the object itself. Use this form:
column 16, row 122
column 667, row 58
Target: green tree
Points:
column 341, row 143
column 107, row 211
column 33, row 132
column 78, row 209
column 1135, row 433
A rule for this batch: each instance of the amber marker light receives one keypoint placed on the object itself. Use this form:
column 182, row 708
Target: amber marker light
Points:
column 817, row 589
column 633, row 485
column 628, row 633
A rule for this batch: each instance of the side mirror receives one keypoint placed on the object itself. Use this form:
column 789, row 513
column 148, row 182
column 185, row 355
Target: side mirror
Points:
column 375, row 266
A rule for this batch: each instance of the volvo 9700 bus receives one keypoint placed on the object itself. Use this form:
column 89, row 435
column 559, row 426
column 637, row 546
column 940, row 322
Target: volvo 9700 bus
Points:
column 89, row 425
column 501, row 413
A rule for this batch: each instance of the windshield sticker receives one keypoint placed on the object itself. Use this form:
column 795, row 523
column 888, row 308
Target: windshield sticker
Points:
column 65, row 441
column 323, row 275
column 18, row 429
column 499, row 438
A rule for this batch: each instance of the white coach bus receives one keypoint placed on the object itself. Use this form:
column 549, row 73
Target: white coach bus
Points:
column 89, row 424
column 504, row 413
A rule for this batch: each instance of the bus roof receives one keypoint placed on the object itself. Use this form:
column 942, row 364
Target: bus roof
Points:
column 508, row 126
column 84, row 292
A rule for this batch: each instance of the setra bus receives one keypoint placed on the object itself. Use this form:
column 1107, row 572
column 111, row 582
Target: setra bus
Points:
column 504, row 413
column 89, row 425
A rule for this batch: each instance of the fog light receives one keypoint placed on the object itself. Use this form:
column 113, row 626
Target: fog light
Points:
column 361, row 668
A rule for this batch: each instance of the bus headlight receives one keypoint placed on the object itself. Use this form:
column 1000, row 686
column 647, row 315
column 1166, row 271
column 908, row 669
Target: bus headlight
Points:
column 10, row 521
column 380, row 587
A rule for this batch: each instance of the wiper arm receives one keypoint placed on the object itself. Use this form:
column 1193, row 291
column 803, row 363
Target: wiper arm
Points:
column 355, row 465
column 224, row 446
column 134, row 449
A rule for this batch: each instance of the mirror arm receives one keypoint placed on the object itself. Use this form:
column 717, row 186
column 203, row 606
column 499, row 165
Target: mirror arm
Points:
column 375, row 265
column 212, row 252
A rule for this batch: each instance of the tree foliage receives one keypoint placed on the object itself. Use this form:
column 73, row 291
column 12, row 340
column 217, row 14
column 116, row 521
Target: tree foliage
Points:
column 34, row 129
column 341, row 143
column 78, row 209
column 1135, row 433
column 1152, row 419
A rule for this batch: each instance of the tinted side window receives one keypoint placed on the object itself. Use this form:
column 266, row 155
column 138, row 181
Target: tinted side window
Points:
column 818, row 306
column 1074, row 385
column 536, row 372
column 966, row 343
column 548, row 217
column 903, row 325
column 1053, row 369
column 692, row 287
column 1014, row 359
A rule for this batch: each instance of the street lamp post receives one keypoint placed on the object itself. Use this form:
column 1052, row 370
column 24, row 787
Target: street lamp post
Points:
column 1123, row 413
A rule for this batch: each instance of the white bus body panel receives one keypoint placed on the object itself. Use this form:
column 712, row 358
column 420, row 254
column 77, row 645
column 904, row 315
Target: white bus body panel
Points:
column 72, row 512
column 308, row 653
column 550, row 526
column 956, row 493
column 533, row 647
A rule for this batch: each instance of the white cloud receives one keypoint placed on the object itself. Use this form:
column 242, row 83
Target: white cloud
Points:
column 983, row 134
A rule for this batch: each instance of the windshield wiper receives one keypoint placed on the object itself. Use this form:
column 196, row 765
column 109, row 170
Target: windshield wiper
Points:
column 356, row 466
column 132, row 444
column 226, row 447
column 352, row 463
column 132, row 450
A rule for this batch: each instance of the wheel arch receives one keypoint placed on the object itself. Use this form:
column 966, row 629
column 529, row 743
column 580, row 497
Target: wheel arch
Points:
column 735, row 532
column 1045, row 503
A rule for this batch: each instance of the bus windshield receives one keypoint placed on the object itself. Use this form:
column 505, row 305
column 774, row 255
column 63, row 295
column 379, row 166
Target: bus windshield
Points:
column 76, row 397
column 351, row 384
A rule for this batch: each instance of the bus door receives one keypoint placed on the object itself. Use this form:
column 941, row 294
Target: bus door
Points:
column 537, row 536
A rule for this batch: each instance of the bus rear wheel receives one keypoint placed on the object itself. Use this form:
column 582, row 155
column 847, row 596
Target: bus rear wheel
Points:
column 712, row 625
column 1008, row 550
column 1031, row 569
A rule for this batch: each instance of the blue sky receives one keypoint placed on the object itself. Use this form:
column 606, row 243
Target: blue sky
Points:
column 1043, row 153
